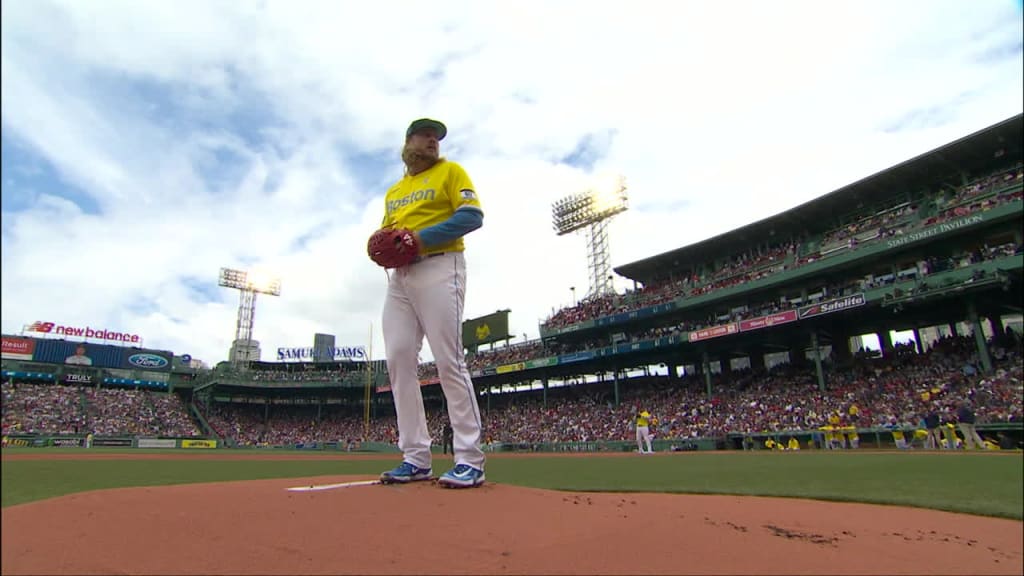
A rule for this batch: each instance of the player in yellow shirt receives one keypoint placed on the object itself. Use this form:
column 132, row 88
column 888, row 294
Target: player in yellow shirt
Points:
column 899, row 438
column 794, row 444
column 436, row 200
column 643, row 432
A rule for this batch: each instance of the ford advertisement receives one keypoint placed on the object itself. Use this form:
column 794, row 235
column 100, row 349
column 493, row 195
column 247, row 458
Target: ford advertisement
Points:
column 87, row 354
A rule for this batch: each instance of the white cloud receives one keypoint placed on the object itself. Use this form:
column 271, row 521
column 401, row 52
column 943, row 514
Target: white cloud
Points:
column 214, row 134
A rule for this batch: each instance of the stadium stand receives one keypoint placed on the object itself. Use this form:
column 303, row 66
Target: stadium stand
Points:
column 932, row 245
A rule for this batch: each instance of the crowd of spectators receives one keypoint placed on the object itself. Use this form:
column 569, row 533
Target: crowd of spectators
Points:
column 787, row 255
column 898, row 389
column 305, row 372
column 948, row 207
column 42, row 409
column 742, row 268
column 31, row 408
column 280, row 424
column 919, row 273
column 137, row 412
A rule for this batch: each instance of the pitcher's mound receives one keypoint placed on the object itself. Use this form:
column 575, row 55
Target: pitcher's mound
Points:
column 259, row 527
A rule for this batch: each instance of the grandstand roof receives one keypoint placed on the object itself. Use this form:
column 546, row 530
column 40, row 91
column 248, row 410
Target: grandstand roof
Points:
column 977, row 151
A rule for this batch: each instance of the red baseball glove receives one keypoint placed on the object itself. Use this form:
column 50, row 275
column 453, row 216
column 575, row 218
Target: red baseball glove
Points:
column 393, row 248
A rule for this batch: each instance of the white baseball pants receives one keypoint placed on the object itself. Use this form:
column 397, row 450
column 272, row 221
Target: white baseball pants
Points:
column 643, row 435
column 425, row 299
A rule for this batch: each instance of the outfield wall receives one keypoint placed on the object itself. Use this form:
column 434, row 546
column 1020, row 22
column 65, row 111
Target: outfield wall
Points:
column 1009, row 434
column 80, row 441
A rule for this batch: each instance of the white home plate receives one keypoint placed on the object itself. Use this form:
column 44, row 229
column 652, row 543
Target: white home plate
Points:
column 312, row 488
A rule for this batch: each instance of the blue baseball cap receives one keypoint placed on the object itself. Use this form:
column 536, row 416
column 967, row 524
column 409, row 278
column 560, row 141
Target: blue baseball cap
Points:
column 424, row 124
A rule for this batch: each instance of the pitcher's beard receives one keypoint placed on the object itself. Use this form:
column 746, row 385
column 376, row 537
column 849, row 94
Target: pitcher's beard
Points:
column 417, row 161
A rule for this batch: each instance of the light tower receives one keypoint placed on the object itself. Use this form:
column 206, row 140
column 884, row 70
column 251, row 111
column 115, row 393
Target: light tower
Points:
column 244, row 348
column 593, row 208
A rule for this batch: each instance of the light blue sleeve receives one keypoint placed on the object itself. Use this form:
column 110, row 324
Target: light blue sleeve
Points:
column 464, row 221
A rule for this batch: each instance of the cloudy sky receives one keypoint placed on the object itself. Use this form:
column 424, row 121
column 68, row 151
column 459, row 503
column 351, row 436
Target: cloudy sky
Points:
column 145, row 145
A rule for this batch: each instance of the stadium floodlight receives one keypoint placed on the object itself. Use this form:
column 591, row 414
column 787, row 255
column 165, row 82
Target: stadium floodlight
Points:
column 593, row 209
column 248, row 284
column 255, row 281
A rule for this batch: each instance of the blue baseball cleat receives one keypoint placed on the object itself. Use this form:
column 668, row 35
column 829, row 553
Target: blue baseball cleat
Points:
column 462, row 476
column 404, row 473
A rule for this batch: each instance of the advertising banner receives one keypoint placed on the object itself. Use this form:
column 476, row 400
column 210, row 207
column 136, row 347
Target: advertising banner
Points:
column 78, row 353
column 198, row 443
column 311, row 354
column 101, row 355
column 768, row 321
column 576, row 357
column 121, row 442
column 506, row 368
column 156, row 443
column 714, row 332
column 84, row 379
column 935, row 230
column 542, row 362
column 15, row 348
column 830, row 306
column 139, row 359
column 52, row 329
column 68, row 442
column 27, row 375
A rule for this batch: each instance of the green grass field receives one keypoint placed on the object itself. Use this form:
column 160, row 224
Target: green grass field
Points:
column 984, row 484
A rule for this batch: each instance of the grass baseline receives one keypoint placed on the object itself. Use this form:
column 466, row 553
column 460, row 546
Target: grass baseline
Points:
column 988, row 484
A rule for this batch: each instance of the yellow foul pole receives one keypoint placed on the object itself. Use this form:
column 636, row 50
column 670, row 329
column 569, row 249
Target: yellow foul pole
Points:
column 369, row 383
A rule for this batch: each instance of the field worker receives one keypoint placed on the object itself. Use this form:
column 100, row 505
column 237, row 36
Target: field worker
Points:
column 931, row 422
column 643, row 432
column 436, row 201
column 965, row 420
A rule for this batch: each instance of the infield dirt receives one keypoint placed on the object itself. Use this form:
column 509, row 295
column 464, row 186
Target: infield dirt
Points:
column 259, row 527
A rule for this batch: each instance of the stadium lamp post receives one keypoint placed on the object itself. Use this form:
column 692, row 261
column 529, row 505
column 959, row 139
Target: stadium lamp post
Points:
column 248, row 284
column 573, row 290
column 593, row 208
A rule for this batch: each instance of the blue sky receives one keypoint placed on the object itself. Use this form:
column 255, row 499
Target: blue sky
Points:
column 147, row 144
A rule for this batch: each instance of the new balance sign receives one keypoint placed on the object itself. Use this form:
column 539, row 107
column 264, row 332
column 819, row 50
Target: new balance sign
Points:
column 830, row 306
column 87, row 332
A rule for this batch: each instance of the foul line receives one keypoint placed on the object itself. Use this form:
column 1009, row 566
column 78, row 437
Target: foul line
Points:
column 313, row 488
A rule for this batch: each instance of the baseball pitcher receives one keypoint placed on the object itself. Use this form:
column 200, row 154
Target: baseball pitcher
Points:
column 426, row 215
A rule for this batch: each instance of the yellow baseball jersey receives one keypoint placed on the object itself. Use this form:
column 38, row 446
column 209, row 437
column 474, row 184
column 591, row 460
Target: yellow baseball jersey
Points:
column 643, row 419
column 429, row 198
